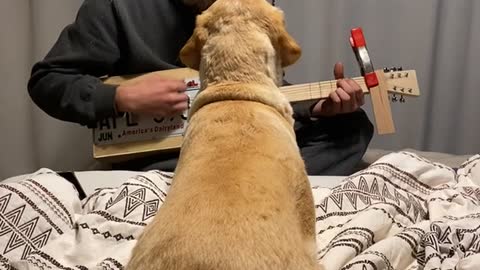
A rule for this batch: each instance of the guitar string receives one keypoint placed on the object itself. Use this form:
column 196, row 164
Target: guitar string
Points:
column 359, row 80
column 294, row 90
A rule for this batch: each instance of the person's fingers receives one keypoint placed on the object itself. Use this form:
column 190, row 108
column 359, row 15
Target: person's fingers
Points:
column 167, row 100
column 344, row 96
column 356, row 94
column 338, row 71
column 345, row 85
column 349, row 101
column 179, row 86
column 174, row 85
column 353, row 84
column 336, row 103
column 180, row 107
column 360, row 96
column 178, row 98
column 353, row 104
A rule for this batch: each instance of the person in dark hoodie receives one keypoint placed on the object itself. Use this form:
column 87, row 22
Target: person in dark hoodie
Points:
column 118, row 37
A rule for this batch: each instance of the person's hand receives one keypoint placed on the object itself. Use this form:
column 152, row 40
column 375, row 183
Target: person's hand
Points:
column 152, row 95
column 347, row 98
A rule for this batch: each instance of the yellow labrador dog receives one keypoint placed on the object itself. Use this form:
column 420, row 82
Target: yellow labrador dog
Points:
column 240, row 198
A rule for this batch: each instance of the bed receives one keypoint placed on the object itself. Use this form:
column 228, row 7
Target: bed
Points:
column 400, row 210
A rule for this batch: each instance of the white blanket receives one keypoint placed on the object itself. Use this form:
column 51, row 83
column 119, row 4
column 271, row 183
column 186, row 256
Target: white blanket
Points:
column 403, row 212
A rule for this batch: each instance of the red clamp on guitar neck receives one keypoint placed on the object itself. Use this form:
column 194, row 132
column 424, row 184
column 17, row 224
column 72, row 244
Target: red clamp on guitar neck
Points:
column 359, row 46
column 376, row 85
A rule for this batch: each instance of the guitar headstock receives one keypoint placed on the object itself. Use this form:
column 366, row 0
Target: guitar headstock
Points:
column 401, row 82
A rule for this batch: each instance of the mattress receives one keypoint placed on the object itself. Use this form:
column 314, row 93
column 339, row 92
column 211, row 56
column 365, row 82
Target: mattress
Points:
column 90, row 180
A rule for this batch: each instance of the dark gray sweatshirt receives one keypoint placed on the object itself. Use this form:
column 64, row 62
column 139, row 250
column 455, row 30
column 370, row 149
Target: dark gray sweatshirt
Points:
column 107, row 38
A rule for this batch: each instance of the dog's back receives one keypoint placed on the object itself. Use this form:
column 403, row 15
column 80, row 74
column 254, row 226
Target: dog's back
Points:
column 235, row 206
column 240, row 198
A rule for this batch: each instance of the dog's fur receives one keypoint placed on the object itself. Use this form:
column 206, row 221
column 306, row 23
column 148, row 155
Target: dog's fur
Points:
column 240, row 198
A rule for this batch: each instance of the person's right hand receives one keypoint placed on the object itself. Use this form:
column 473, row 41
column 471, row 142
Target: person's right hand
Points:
column 152, row 95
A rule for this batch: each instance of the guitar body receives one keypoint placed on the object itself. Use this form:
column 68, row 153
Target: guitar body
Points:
column 117, row 150
column 134, row 136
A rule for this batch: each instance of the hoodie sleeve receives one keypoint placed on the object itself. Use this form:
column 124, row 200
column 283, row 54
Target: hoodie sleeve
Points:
column 66, row 84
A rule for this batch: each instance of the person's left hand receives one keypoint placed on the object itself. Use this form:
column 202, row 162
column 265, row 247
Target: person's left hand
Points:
column 348, row 97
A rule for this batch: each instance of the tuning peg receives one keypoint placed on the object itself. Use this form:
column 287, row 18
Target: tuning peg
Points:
column 402, row 99
column 393, row 69
column 386, row 70
column 394, row 98
column 400, row 68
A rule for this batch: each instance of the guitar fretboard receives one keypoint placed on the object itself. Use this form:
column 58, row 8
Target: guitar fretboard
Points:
column 316, row 90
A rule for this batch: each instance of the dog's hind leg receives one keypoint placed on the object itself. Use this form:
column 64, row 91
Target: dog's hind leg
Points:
column 306, row 213
column 306, row 207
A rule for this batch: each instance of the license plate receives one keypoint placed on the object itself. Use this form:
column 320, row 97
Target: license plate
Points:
column 135, row 128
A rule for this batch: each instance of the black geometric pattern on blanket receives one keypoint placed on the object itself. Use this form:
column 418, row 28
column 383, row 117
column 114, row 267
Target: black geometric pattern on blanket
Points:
column 106, row 234
column 30, row 216
column 133, row 200
column 403, row 212
column 361, row 193
column 101, row 229
column 394, row 215
column 21, row 235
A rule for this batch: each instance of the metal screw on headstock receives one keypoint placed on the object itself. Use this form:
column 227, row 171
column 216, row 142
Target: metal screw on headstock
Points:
column 394, row 98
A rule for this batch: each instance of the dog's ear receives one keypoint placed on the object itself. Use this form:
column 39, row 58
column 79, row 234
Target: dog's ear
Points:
column 289, row 49
column 190, row 54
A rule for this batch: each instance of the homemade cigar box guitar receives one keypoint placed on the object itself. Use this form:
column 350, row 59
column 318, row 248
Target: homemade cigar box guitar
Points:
column 133, row 136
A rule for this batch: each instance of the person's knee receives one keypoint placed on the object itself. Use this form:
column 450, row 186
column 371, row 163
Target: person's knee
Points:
column 353, row 125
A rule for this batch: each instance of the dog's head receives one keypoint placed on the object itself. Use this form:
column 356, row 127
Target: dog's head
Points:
column 265, row 17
